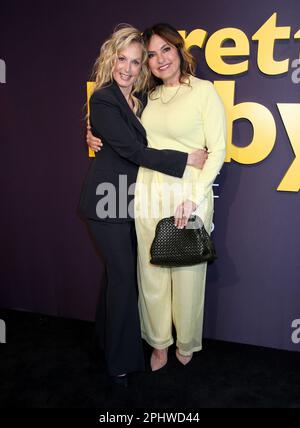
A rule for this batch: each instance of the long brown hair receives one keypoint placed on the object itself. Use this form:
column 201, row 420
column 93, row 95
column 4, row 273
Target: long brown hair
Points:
column 171, row 36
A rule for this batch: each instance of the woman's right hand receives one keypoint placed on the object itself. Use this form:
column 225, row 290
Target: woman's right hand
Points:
column 94, row 143
column 197, row 158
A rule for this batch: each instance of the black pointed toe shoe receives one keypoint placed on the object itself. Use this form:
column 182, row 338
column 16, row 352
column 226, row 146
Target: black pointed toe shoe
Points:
column 120, row 380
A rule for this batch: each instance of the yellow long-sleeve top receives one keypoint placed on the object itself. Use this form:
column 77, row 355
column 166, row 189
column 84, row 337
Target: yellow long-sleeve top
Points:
column 186, row 118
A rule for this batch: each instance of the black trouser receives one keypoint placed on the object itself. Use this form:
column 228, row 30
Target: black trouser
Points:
column 117, row 317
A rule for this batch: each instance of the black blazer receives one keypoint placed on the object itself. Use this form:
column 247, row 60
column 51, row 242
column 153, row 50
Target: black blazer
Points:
column 124, row 150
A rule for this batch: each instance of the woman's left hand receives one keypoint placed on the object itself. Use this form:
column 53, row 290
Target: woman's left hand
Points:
column 183, row 213
column 94, row 143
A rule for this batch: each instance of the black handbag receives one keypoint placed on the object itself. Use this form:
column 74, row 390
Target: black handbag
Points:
column 181, row 247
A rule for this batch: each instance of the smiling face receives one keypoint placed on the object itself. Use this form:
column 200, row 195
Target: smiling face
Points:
column 164, row 61
column 128, row 66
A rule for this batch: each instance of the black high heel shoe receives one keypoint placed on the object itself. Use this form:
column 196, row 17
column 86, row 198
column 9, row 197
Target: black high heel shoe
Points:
column 120, row 380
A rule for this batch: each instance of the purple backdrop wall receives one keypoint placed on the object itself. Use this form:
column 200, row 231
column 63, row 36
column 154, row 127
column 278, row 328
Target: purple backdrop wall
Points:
column 48, row 264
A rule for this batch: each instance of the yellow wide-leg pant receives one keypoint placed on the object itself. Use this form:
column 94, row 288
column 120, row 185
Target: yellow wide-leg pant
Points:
column 170, row 296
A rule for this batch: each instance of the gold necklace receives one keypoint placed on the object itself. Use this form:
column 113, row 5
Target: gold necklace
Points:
column 172, row 97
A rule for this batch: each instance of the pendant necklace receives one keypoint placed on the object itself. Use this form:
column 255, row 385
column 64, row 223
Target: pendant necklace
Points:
column 172, row 97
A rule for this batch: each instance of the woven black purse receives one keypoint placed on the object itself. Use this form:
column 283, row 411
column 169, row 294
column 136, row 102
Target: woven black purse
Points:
column 181, row 247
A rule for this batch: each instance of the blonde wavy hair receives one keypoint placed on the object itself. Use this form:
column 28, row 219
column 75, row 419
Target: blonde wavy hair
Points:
column 120, row 39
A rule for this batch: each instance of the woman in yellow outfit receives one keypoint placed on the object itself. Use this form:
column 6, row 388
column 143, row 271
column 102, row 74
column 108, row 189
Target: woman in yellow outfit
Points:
column 182, row 113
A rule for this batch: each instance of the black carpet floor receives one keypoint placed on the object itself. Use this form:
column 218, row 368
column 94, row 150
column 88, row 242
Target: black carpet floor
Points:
column 49, row 362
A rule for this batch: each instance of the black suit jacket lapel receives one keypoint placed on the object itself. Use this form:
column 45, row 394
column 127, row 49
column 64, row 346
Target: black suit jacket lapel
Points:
column 127, row 110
